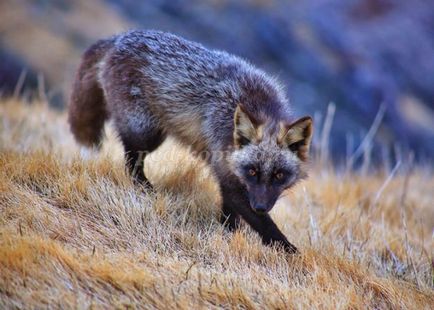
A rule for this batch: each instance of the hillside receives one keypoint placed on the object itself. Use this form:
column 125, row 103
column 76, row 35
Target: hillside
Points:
column 75, row 232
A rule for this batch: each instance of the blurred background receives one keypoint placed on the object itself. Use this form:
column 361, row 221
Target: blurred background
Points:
column 354, row 60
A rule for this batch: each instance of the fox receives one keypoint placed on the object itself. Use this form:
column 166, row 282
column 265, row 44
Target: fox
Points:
column 154, row 85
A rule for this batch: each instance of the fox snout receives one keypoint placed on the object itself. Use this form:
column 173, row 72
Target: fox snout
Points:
column 262, row 199
column 260, row 208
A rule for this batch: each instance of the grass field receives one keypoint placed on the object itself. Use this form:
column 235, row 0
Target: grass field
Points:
column 75, row 232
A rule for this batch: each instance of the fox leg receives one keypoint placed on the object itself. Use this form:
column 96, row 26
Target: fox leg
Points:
column 137, row 144
column 134, row 161
column 235, row 198
column 135, row 154
column 230, row 218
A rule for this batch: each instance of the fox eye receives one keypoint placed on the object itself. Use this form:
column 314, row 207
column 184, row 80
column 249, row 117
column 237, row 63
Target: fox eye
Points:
column 279, row 176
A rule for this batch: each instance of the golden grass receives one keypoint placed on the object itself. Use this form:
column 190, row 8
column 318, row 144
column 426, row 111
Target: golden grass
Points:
column 76, row 233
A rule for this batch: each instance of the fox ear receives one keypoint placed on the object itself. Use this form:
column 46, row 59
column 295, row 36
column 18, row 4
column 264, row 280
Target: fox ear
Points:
column 297, row 136
column 246, row 129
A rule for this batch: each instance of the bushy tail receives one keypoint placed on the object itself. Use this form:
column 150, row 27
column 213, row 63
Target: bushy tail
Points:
column 87, row 107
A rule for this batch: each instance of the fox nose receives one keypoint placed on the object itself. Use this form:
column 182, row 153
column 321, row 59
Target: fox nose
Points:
column 260, row 208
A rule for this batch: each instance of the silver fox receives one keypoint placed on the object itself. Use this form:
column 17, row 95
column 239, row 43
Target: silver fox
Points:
column 155, row 84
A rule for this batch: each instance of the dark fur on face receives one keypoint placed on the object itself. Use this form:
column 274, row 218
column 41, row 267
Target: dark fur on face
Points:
column 270, row 157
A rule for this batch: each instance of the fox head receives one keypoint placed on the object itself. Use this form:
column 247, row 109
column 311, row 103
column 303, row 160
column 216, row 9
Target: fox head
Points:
column 269, row 157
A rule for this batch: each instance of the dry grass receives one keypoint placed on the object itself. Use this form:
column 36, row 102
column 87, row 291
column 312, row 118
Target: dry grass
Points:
column 76, row 233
